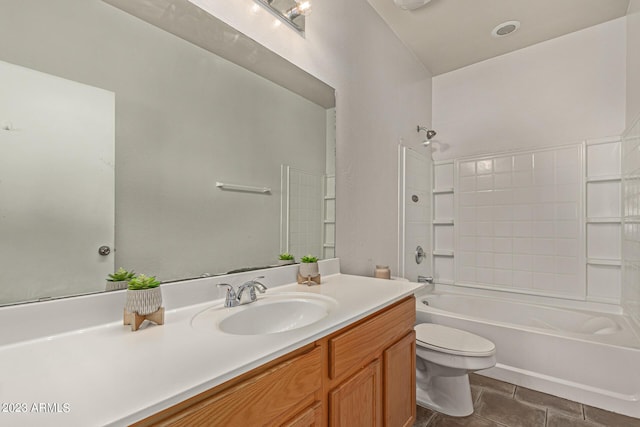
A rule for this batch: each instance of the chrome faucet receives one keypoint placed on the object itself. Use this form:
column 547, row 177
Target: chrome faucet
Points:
column 234, row 299
column 252, row 285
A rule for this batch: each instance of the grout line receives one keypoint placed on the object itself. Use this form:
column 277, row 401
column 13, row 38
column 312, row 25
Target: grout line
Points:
column 546, row 417
column 432, row 418
column 491, row 420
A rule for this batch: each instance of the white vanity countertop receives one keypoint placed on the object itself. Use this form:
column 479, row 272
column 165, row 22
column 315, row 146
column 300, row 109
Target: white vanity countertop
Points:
column 108, row 375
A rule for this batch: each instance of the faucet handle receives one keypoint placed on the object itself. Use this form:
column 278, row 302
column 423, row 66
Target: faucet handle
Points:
column 229, row 287
column 230, row 299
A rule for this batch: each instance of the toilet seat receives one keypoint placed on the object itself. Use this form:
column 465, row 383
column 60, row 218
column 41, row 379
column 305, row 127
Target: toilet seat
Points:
column 453, row 341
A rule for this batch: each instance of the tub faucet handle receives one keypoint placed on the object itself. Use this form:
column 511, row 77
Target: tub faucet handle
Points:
column 425, row 279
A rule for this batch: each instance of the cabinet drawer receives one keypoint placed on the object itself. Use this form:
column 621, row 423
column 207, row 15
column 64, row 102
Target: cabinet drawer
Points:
column 361, row 344
column 310, row 417
column 283, row 389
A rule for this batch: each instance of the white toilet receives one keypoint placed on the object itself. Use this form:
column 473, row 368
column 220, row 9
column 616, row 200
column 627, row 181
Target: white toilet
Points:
column 444, row 358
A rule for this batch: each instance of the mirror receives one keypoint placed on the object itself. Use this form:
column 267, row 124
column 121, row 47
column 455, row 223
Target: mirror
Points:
column 182, row 118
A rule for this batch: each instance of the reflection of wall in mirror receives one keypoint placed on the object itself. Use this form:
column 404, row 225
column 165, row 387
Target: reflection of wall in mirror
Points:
column 309, row 204
column 61, row 137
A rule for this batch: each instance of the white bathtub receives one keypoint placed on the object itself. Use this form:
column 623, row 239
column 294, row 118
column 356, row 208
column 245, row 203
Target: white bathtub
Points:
column 588, row 357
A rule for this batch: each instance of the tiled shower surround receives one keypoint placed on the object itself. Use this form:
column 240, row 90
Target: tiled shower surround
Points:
column 519, row 221
column 631, row 222
column 543, row 222
column 305, row 213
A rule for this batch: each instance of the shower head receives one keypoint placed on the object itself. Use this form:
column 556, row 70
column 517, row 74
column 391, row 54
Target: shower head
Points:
column 430, row 133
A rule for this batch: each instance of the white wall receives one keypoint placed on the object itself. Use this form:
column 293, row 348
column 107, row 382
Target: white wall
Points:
column 382, row 93
column 633, row 62
column 560, row 91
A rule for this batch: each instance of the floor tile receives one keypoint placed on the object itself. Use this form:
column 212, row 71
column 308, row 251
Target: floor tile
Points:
column 423, row 416
column 557, row 419
column 542, row 399
column 609, row 418
column 490, row 383
column 474, row 420
column 508, row 411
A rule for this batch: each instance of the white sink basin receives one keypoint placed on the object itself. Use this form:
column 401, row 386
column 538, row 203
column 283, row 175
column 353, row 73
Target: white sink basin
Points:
column 271, row 314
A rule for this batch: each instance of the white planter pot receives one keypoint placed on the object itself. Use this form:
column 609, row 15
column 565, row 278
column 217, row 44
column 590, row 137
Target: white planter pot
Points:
column 143, row 301
column 285, row 261
column 309, row 269
column 115, row 286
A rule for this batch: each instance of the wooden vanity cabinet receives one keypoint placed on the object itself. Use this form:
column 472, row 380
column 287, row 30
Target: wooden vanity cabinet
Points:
column 362, row 375
column 371, row 375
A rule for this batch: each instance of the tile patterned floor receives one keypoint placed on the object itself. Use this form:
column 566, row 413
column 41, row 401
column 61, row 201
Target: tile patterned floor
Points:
column 500, row 404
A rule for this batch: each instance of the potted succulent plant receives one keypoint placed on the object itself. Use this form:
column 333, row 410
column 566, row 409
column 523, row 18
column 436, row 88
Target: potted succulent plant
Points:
column 285, row 259
column 143, row 295
column 309, row 266
column 119, row 279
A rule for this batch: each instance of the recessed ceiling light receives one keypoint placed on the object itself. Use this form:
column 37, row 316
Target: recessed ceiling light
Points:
column 410, row 4
column 505, row 28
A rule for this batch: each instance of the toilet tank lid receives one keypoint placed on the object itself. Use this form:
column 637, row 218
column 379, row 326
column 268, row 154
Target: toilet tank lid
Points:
column 452, row 340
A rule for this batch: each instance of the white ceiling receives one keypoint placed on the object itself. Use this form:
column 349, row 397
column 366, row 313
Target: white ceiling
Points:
column 450, row 34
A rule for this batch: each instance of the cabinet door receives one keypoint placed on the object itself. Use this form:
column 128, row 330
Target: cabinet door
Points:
column 310, row 417
column 357, row 402
column 400, row 382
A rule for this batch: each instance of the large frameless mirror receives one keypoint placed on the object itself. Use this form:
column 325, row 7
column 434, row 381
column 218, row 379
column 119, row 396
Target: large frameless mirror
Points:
column 121, row 120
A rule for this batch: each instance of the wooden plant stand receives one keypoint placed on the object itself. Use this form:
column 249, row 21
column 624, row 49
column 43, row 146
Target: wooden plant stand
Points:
column 135, row 319
column 315, row 280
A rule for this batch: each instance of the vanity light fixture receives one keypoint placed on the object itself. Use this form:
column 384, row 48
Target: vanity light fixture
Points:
column 291, row 12
column 302, row 7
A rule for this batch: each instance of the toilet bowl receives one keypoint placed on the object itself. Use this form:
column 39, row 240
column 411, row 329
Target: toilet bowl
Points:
column 444, row 358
